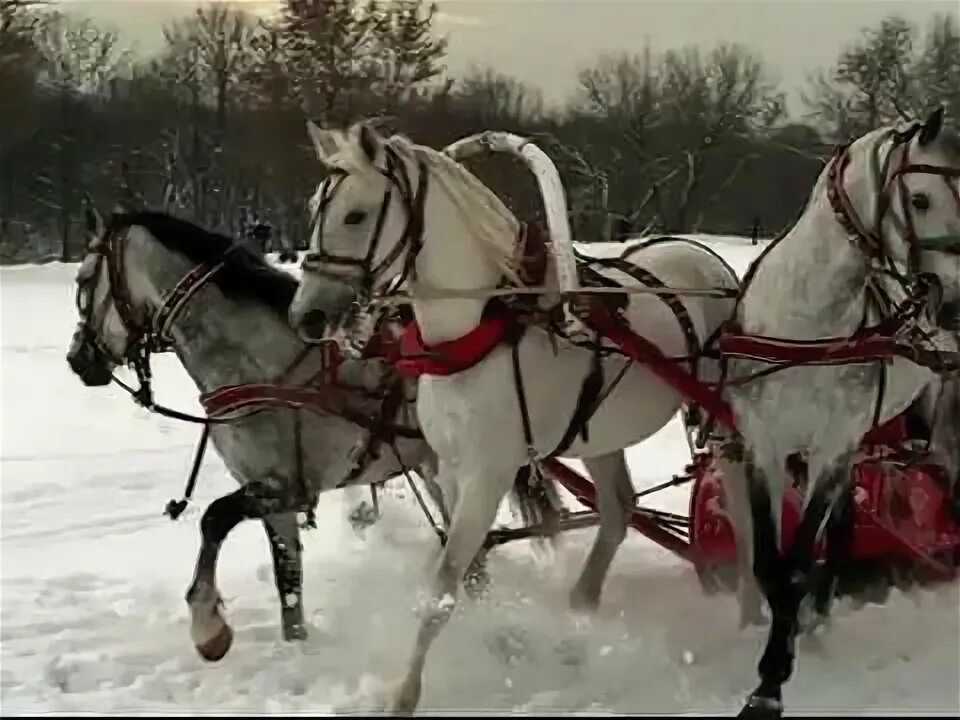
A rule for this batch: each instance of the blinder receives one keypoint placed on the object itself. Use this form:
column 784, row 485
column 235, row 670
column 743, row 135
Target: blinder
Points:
column 871, row 242
column 362, row 269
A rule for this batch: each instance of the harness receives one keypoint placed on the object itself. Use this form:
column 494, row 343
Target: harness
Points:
column 317, row 389
column 505, row 325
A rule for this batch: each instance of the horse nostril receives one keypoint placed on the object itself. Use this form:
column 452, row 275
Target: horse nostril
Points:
column 314, row 323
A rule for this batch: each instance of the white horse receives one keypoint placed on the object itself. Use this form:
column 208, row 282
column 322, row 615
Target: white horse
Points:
column 885, row 210
column 394, row 211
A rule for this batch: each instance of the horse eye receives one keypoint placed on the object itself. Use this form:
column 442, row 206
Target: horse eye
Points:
column 354, row 217
column 920, row 201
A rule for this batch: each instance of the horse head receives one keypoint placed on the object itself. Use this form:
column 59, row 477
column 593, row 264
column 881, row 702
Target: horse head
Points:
column 113, row 301
column 142, row 270
column 896, row 193
column 392, row 213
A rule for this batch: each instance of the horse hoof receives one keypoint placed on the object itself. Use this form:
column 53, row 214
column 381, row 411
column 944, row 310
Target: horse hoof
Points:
column 218, row 646
column 762, row 708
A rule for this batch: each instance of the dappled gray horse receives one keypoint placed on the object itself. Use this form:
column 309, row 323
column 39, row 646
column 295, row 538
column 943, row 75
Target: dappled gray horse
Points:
column 880, row 233
column 223, row 311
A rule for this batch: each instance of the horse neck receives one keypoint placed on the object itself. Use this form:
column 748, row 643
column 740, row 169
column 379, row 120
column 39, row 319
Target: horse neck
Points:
column 817, row 271
column 220, row 340
column 451, row 258
column 818, row 268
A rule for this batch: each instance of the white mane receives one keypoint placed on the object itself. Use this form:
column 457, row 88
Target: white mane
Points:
column 488, row 221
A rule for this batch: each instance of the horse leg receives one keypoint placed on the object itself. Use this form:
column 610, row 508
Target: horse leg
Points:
column 767, row 571
column 736, row 493
column 785, row 584
column 839, row 530
column 211, row 635
column 473, row 516
column 614, row 498
column 283, row 533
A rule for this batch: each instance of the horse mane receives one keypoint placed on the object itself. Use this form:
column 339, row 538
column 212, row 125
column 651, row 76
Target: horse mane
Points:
column 244, row 275
column 484, row 214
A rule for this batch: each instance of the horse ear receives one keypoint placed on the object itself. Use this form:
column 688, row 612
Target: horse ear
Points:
column 324, row 141
column 931, row 128
column 370, row 141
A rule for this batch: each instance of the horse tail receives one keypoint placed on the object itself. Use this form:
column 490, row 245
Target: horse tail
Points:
column 535, row 495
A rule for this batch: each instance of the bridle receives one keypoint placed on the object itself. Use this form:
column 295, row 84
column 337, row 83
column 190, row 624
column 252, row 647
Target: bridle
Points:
column 149, row 334
column 145, row 334
column 870, row 240
column 320, row 262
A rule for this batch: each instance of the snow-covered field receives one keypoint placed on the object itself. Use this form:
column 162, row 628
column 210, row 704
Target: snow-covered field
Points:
column 93, row 576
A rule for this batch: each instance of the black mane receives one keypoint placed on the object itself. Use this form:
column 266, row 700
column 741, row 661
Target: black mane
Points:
column 244, row 273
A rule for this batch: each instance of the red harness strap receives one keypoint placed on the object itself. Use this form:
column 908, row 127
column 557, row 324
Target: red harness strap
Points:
column 643, row 351
column 415, row 358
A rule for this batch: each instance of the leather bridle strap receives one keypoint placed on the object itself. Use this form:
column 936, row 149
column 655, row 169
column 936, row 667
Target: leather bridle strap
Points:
column 411, row 238
column 182, row 293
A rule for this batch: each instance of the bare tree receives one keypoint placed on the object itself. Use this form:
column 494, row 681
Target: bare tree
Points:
column 675, row 112
column 206, row 60
column 77, row 60
column 938, row 67
column 881, row 79
column 497, row 100
column 76, row 56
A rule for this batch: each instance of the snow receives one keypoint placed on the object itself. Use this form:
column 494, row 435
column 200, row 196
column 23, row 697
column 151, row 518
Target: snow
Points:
column 93, row 576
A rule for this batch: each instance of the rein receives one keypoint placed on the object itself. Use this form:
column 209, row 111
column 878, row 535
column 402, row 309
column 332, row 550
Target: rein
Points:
column 901, row 318
column 319, row 391
column 869, row 344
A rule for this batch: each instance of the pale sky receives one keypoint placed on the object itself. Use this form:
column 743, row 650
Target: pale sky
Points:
column 545, row 42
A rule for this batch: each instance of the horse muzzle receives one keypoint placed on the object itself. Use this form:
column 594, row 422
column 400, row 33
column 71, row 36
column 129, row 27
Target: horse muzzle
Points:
column 87, row 362
column 317, row 306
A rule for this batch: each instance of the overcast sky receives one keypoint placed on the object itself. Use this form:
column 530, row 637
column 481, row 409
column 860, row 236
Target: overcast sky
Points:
column 545, row 42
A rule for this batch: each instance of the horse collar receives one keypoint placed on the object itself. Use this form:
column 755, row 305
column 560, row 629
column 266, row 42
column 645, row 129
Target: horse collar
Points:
column 414, row 358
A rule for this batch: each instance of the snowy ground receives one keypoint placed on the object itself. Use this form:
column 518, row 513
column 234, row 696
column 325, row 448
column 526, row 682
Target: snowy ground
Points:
column 93, row 576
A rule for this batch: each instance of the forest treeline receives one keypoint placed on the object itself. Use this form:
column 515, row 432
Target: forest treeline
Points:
column 212, row 127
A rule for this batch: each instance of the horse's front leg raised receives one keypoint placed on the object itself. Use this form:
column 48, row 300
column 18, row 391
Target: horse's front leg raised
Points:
column 473, row 516
column 211, row 634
